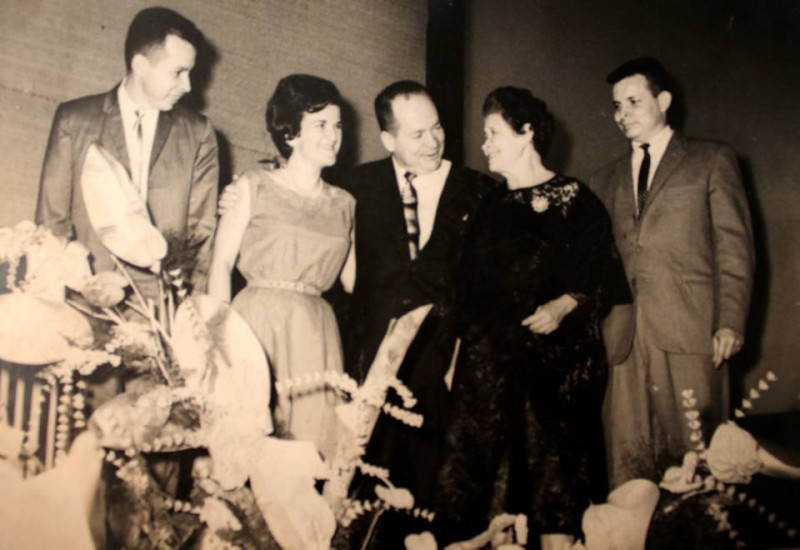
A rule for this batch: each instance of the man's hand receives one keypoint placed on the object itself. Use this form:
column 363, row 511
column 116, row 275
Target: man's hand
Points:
column 726, row 343
column 548, row 317
column 230, row 196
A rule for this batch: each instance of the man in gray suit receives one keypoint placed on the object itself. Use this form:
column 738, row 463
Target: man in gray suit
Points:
column 682, row 226
column 169, row 151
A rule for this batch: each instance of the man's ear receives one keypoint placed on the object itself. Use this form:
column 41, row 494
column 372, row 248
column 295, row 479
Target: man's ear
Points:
column 388, row 140
column 664, row 100
column 139, row 63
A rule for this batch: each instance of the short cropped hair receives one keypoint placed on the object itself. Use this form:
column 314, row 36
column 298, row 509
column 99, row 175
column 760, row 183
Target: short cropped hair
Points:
column 658, row 79
column 294, row 96
column 383, row 101
column 518, row 107
column 150, row 28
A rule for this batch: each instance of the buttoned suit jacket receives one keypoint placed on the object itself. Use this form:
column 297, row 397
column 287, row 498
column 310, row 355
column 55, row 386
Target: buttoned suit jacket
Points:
column 688, row 257
column 388, row 283
column 183, row 179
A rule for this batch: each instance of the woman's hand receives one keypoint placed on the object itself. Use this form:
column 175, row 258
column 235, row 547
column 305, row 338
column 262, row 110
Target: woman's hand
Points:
column 548, row 317
column 231, row 194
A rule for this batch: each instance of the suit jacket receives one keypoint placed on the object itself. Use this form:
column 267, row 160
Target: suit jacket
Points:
column 388, row 283
column 183, row 180
column 689, row 257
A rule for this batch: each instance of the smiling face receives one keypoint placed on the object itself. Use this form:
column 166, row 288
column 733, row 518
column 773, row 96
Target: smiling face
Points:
column 320, row 137
column 502, row 146
column 417, row 138
column 161, row 76
column 638, row 113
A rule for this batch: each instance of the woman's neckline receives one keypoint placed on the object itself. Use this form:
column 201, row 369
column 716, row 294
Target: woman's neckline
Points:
column 279, row 177
column 553, row 175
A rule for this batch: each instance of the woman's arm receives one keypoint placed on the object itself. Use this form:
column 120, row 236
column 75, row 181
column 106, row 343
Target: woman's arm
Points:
column 227, row 242
column 348, row 274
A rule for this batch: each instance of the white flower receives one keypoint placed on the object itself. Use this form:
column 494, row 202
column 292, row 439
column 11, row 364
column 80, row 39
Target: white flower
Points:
column 733, row 454
column 539, row 204
column 395, row 497
column 217, row 515
column 422, row 541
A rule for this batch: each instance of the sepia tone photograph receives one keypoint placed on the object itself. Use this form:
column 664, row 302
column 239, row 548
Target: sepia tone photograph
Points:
column 399, row 274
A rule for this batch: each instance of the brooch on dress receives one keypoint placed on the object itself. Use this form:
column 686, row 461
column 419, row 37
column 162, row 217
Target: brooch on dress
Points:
column 539, row 204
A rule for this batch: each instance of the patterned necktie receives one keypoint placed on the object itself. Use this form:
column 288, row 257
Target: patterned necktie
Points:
column 644, row 175
column 409, row 196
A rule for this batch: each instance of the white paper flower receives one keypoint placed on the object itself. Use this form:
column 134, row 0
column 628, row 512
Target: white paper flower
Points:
column 733, row 454
column 118, row 212
column 539, row 203
column 402, row 499
column 421, row 541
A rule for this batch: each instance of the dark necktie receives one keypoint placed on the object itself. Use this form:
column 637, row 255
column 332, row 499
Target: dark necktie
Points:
column 409, row 196
column 644, row 174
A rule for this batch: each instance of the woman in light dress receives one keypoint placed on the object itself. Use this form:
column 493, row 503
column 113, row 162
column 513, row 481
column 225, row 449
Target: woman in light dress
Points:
column 289, row 234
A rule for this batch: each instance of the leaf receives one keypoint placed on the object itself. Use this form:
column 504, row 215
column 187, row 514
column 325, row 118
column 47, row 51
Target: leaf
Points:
column 220, row 357
column 118, row 212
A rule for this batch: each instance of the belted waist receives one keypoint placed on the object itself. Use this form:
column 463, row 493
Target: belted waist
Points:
column 294, row 286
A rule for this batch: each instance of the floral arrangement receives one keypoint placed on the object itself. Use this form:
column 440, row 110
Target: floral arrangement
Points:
column 196, row 378
column 714, row 473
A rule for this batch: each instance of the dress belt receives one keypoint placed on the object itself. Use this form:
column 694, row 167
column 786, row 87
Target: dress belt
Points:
column 295, row 286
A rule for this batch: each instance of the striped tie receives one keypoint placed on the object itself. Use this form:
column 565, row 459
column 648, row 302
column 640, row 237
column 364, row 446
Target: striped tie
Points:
column 409, row 196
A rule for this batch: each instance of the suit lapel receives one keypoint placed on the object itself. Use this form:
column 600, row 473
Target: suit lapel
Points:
column 162, row 132
column 623, row 177
column 669, row 162
column 450, row 193
column 112, row 136
column 389, row 203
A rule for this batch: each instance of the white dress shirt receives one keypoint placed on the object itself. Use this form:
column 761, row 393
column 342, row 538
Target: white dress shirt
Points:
column 429, row 189
column 658, row 144
column 139, row 159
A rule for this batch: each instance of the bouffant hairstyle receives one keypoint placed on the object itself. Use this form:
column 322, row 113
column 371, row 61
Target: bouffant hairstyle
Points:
column 658, row 79
column 518, row 107
column 294, row 96
column 383, row 101
column 150, row 28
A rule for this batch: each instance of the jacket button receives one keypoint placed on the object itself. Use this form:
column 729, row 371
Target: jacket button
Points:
column 633, row 282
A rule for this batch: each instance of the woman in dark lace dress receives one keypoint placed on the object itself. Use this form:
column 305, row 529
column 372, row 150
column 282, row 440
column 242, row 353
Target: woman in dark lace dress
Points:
column 531, row 373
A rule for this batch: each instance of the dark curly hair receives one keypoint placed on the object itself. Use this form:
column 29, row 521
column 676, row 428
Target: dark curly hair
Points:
column 294, row 96
column 518, row 107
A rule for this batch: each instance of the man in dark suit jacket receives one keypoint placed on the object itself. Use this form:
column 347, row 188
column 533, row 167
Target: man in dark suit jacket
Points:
column 402, row 264
column 682, row 227
column 169, row 151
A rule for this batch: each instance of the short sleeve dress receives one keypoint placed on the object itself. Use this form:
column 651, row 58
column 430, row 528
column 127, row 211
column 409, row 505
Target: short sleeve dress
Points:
column 292, row 250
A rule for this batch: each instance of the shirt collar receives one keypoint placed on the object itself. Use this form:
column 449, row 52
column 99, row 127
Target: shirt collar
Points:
column 127, row 106
column 438, row 174
column 658, row 143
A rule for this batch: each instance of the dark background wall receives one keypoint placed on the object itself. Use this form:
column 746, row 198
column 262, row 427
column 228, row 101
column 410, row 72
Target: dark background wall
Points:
column 739, row 65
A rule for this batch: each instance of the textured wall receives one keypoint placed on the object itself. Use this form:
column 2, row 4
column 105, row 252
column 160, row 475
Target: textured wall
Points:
column 738, row 64
column 55, row 50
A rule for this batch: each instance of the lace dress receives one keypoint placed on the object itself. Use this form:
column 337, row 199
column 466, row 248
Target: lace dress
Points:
column 526, row 408
column 293, row 249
